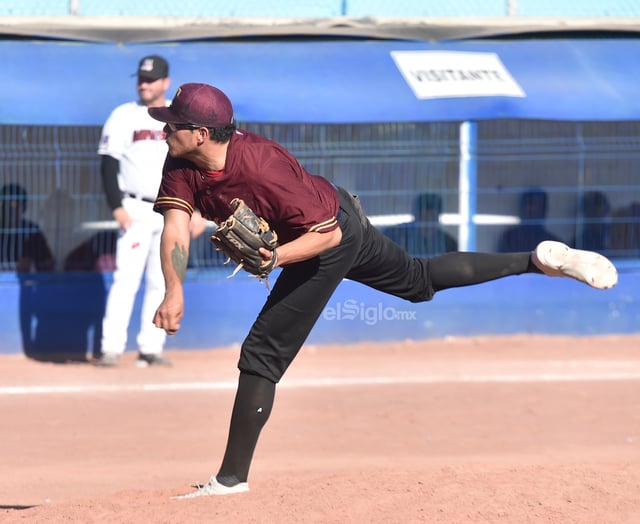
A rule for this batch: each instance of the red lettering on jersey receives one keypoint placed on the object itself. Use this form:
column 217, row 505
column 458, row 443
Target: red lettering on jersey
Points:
column 148, row 134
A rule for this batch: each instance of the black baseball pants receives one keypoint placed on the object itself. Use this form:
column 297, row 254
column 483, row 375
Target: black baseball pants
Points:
column 365, row 255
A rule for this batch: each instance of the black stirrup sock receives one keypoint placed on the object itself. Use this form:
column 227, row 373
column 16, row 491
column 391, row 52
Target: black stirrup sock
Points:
column 251, row 410
column 459, row 269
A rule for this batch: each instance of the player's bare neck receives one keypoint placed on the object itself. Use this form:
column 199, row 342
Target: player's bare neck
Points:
column 217, row 156
column 158, row 101
column 212, row 157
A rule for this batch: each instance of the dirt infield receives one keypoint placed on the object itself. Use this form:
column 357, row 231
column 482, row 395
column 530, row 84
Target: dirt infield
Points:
column 511, row 430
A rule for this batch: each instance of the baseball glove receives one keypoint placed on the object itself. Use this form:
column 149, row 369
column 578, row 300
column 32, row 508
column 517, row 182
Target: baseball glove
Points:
column 241, row 235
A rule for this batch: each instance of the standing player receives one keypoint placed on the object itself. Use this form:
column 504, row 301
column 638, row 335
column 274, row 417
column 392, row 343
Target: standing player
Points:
column 133, row 149
column 324, row 237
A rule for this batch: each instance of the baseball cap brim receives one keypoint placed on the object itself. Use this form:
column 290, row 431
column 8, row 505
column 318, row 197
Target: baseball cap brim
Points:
column 164, row 114
column 148, row 76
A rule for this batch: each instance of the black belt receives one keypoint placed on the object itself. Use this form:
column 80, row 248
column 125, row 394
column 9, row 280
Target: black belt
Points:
column 139, row 197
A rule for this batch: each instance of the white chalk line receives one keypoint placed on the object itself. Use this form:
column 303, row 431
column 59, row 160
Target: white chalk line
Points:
column 328, row 382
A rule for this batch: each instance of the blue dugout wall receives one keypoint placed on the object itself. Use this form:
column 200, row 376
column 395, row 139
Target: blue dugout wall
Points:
column 58, row 316
column 74, row 84
column 349, row 81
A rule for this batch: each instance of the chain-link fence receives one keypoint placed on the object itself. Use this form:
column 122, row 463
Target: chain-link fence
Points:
column 588, row 171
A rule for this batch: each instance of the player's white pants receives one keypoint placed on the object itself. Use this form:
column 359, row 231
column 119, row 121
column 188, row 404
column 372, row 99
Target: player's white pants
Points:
column 138, row 248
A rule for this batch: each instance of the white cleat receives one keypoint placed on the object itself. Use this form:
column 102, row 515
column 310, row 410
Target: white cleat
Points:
column 213, row 487
column 556, row 259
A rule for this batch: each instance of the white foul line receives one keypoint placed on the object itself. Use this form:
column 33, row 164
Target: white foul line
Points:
column 442, row 378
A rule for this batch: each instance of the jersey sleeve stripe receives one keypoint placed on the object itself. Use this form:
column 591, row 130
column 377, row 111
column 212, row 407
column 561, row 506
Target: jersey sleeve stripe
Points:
column 165, row 201
column 323, row 227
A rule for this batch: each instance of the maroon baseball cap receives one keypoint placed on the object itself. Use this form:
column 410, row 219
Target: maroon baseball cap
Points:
column 197, row 104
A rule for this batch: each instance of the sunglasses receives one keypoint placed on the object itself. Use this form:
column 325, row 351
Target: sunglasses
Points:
column 178, row 127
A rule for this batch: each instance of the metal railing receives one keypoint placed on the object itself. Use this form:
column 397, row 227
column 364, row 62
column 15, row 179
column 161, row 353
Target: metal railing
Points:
column 324, row 8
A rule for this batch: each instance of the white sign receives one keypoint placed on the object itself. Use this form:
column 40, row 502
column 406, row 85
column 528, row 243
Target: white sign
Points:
column 446, row 74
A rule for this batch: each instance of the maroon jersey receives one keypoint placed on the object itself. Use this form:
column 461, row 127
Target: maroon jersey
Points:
column 262, row 173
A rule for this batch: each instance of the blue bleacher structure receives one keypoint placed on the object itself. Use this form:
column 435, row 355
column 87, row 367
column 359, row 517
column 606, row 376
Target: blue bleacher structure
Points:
column 324, row 8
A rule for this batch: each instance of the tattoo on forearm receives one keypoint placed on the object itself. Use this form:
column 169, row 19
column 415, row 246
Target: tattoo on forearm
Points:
column 179, row 259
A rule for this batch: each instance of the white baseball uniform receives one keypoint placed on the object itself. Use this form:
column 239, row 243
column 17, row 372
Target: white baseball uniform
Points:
column 137, row 141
